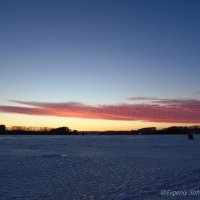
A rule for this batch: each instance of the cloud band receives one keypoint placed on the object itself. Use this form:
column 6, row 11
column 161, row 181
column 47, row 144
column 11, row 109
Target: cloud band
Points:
column 155, row 110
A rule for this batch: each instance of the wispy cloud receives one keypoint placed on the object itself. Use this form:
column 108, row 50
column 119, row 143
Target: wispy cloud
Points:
column 143, row 99
column 195, row 103
column 156, row 110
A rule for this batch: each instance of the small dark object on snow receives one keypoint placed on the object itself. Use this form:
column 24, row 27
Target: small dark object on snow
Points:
column 190, row 136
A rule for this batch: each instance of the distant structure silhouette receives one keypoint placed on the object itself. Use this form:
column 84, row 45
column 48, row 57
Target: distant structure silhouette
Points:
column 61, row 130
column 2, row 129
column 148, row 130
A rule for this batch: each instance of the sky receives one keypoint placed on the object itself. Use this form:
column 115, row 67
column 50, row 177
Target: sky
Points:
column 100, row 64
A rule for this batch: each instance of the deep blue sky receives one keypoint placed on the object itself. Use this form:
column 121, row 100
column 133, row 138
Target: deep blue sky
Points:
column 99, row 51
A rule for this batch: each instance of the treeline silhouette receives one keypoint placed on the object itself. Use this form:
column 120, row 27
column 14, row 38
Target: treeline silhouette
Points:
column 22, row 130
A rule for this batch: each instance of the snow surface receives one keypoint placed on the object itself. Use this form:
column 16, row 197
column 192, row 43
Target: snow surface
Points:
column 99, row 167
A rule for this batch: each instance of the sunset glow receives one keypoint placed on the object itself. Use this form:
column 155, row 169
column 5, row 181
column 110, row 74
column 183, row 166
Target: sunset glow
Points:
column 127, row 116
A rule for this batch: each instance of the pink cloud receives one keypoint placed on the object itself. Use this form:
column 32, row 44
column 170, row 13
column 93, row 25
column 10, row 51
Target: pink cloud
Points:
column 157, row 110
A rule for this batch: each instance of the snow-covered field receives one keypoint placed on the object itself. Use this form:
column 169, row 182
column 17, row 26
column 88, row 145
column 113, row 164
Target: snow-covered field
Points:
column 99, row 167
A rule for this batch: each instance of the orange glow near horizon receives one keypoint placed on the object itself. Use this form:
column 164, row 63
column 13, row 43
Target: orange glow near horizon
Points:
column 79, row 124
